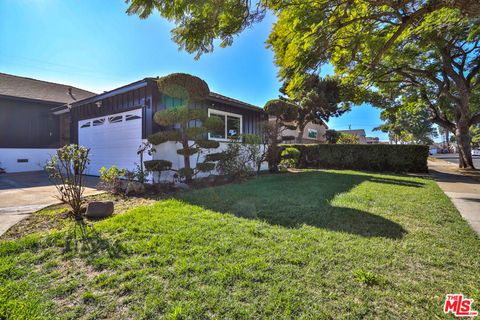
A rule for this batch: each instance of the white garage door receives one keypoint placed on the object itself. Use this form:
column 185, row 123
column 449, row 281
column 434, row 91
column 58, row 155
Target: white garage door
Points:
column 112, row 139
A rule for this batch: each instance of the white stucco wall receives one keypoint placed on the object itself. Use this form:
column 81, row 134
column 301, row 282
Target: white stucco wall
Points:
column 36, row 159
column 168, row 151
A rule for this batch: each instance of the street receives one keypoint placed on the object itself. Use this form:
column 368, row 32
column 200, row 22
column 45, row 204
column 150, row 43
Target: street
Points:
column 453, row 158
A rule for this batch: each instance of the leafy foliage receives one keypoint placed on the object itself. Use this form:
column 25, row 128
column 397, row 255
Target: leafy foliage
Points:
column 377, row 157
column 235, row 163
column 317, row 100
column 65, row 170
column 158, row 165
column 346, row 138
column 423, row 50
column 332, row 136
column 290, row 157
column 408, row 124
column 281, row 114
column 183, row 86
column 178, row 119
column 110, row 179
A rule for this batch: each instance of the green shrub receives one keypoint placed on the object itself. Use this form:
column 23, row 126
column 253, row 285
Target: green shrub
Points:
column 377, row 157
column 290, row 157
column 346, row 138
column 205, row 166
column 110, row 179
column 157, row 165
column 235, row 163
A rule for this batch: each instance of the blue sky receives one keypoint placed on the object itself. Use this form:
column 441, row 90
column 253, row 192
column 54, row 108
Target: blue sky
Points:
column 94, row 45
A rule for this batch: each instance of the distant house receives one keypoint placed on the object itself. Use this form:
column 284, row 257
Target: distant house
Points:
column 313, row 133
column 373, row 140
column 30, row 126
column 359, row 133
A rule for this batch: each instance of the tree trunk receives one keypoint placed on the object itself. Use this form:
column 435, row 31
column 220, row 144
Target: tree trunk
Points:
column 186, row 158
column 301, row 130
column 464, row 149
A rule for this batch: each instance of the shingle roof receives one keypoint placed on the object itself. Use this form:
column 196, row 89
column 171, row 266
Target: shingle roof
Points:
column 218, row 96
column 355, row 132
column 27, row 88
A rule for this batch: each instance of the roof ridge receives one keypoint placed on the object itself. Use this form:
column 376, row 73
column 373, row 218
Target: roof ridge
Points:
column 50, row 82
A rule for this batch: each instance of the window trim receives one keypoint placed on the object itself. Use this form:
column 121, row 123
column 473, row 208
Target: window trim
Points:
column 225, row 114
column 308, row 133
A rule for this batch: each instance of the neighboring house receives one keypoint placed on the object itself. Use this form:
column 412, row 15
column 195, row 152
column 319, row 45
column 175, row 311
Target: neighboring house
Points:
column 313, row 133
column 115, row 123
column 359, row 133
column 373, row 140
column 30, row 129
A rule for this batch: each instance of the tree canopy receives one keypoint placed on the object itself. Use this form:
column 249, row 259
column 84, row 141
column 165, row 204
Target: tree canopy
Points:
column 425, row 50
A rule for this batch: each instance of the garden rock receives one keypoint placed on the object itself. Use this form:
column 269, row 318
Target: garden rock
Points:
column 99, row 209
column 135, row 187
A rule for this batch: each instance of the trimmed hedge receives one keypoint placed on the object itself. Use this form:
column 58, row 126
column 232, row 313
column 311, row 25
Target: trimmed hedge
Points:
column 371, row 157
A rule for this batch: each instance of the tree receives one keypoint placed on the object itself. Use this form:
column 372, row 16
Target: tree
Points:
column 178, row 121
column 402, row 50
column 408, row 123
column 346, row 138
column 282, row 113
column 475, row 134
column 317, row 100
column 332, row 136
column 200, row 23
column 66, row 170
column 398, row 48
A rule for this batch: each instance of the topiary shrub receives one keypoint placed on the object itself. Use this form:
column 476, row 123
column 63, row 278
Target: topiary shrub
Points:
column 290, row 157
column 281, row 114
column 377, row 157
column 188, row 88
column 157, row 166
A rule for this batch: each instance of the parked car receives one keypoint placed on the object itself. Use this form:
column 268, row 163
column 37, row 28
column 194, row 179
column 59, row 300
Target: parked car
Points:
column 476, row 152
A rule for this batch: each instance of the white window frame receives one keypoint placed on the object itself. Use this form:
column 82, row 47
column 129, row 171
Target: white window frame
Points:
column 308, row 133
column 225, row 114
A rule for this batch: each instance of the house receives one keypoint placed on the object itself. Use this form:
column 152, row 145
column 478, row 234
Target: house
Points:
column 115, row 123
column 30, row 127
column 359, row 133
column 373, row 140
column 313, row 133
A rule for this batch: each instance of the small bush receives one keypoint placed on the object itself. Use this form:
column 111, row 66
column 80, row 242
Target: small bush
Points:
column 110, row 179
column 235, row 163
column 290, row 157
column 378, row 157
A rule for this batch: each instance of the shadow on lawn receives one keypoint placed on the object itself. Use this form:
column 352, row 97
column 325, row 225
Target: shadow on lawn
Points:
column 291, row 200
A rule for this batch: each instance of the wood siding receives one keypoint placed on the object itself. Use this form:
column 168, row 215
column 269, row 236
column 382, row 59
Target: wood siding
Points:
column 28, row 124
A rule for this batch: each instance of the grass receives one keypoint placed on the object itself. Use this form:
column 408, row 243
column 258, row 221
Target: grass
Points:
column 314, row 244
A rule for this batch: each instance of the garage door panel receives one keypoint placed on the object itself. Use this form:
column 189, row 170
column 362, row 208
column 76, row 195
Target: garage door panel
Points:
column 112, row 143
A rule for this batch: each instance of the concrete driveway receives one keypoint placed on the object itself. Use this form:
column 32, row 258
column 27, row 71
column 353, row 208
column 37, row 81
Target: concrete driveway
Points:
column 26, row 192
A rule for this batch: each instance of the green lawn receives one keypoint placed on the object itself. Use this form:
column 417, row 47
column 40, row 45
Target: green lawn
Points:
column 315, row 244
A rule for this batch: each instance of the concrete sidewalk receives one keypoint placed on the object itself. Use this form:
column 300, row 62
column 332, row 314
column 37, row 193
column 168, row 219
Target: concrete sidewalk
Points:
column 24, row 193
column 462, row 187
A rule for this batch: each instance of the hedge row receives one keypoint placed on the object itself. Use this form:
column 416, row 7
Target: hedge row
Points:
column 371, row 157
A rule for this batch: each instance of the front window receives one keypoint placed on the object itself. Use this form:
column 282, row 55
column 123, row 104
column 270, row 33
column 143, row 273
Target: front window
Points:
column 312, row 133
column 232, row 125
